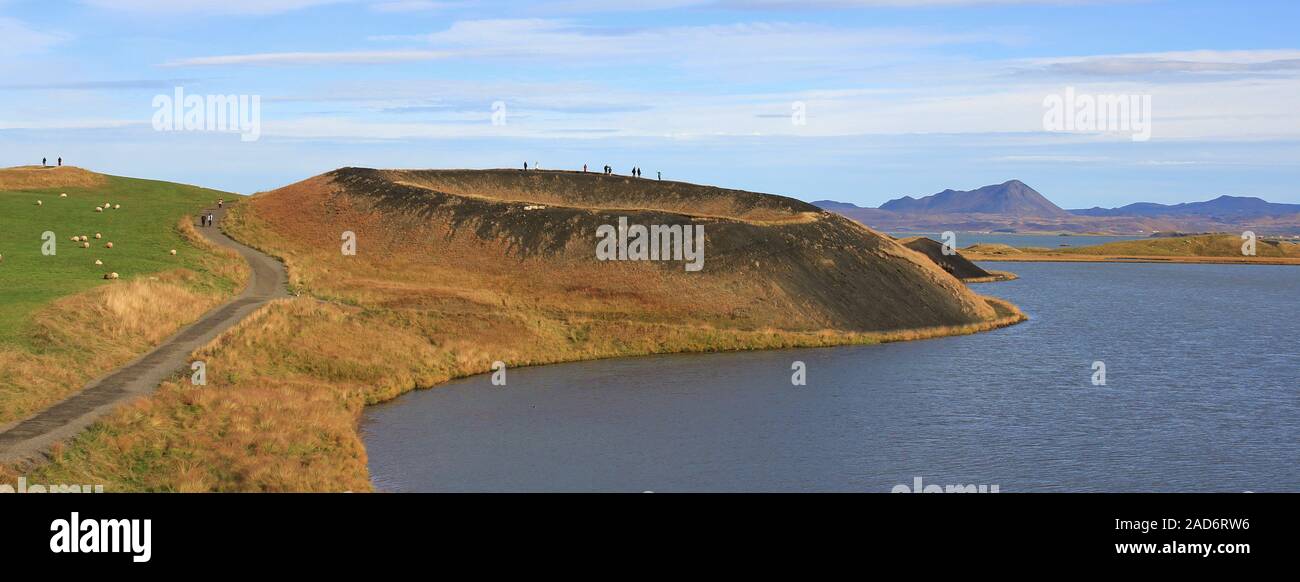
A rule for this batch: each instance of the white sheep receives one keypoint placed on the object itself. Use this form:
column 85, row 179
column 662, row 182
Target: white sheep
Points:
column 98, row 262
column 99, row 209
column 40, row 203
column 107, row 246
column 117, row 207
column 63, row 195
column 85, row 245
column 97, row 235
column 110, row 275
column 173, row 252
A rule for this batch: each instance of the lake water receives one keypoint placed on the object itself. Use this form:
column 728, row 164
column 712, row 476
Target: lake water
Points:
column 965, row 239
column 1202, row 394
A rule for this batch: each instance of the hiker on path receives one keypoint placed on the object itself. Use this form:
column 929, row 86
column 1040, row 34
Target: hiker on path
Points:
column 660, row 175
column 584, row 168
column 221, row 203
column 43, row 164
column 60, row 161
column 525, row 166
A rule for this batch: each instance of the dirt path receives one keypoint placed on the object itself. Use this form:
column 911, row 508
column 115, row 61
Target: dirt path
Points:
column 32, row 436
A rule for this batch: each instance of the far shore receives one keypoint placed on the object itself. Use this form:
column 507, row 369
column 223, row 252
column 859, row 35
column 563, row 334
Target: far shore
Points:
column 1064, row 258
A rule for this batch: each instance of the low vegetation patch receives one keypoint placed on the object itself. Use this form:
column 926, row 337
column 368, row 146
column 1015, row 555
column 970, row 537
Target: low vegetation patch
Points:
column 62, row 323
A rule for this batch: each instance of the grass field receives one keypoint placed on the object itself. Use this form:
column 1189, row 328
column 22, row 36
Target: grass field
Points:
column 142, row 233
column 1205, row 248
column 61, row 323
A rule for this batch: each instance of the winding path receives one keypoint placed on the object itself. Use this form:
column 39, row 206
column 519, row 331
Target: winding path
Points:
column 34, row 435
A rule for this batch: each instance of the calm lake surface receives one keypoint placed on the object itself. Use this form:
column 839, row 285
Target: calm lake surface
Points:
column 965, row 239
column 1202, row 394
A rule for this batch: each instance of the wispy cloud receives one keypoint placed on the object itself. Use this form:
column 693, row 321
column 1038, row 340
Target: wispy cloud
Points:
column 228, row 7
column 127, row 84
column 18, row 38
column 405, row 6
column 561, row 41
column 312, row 58
column 1168, row 64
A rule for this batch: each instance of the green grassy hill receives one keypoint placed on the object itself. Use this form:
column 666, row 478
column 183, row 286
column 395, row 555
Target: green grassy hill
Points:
column 1206, row 245
column 142, row 231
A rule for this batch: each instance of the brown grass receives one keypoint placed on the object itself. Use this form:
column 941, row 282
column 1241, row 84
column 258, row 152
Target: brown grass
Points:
column 36, row 178
column 84, row 336
column 287, row 387
column 1209, row 248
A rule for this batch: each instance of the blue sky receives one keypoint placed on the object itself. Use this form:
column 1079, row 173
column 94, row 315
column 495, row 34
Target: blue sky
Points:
column 899, row 96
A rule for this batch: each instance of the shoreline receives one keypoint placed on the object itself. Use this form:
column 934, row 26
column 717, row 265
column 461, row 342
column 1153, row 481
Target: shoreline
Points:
column 1057, row 258
column 327, row 453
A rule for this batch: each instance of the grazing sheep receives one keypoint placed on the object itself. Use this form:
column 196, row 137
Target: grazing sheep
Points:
column 108, row 246
column 173, row 252
column 63, row 195
column 40, row 203
column 97, row 235
column 98, row 262
column 110, row 275
column 117, row 207
column 85, row 245
column 98, row 209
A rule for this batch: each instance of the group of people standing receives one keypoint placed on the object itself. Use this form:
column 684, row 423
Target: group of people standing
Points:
column 608, row 170
column 45, row 162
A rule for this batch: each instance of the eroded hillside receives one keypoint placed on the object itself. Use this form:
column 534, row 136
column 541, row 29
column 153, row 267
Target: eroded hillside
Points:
column 494, row 237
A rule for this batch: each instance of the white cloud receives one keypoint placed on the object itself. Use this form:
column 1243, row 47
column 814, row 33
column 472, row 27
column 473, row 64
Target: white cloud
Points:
column 312, row 58
column 1171, row 63
column 774, row 48
column 240, row 7
column 907, row 3
column 402, row 6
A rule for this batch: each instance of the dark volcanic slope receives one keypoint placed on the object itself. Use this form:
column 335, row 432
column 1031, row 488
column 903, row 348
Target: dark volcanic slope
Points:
column 1012, row 198
column 771, row 261
column 955, row 264
column 591, row 190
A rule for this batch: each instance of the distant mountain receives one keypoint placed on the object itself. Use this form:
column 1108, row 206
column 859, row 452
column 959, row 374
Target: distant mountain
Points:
column 1221, row 207
column 1013, row 198
column 833, row 205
